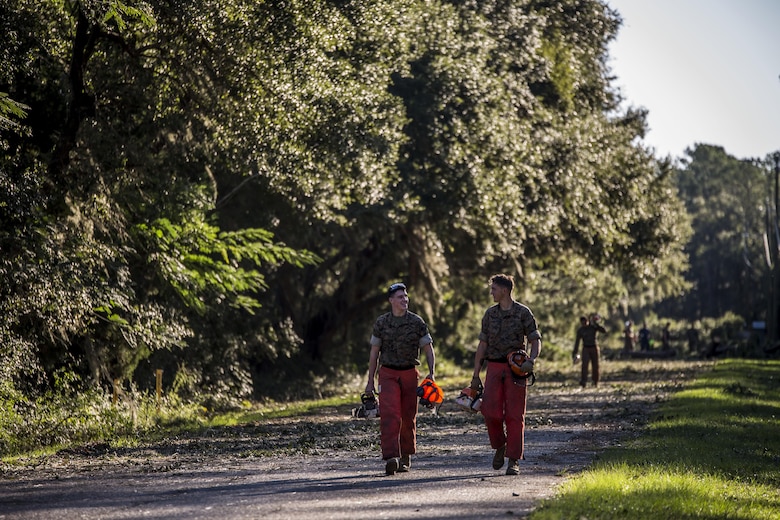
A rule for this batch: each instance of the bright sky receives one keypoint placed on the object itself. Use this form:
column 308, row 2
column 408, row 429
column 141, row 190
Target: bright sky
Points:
column 708, row 71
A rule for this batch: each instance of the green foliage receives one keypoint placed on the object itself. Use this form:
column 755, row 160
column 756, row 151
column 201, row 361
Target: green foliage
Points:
column 562, row 74
column 10, row 110
column 492, row 179
column 226, row 186
column 86, row 275
column 68, row 413
column 204, row 264
column 117, row 13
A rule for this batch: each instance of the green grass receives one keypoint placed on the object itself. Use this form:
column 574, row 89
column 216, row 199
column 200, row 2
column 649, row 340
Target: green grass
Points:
column 711, row 451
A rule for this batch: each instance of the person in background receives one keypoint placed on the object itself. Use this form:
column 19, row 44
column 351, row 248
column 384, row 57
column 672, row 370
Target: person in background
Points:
column 506, row 327
column 629, row 338
column 644, row 337
column 587, row 333
column 397, row 338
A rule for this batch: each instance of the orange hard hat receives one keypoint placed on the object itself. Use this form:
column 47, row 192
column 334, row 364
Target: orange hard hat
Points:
column 515, row 360
column 430, row 393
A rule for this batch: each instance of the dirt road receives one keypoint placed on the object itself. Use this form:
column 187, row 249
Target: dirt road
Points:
column 327, row 466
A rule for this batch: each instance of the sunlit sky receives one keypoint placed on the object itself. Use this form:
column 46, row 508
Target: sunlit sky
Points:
column 708, row 71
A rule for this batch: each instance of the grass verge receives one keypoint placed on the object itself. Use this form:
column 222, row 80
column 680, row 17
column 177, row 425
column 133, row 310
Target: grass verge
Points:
column 711, row 451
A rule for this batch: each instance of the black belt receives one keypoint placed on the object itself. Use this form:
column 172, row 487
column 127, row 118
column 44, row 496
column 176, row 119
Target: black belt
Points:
column 405, row 367
column 590, row 346
column 502, row 360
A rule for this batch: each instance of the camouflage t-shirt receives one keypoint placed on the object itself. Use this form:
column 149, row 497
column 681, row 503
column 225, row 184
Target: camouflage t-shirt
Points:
column 400, row 338
column 507, row 331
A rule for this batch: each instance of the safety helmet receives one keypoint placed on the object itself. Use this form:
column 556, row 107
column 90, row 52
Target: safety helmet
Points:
column 430, row 393
column 515, row 360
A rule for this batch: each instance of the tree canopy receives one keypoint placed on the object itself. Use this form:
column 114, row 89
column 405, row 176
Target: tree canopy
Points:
column 223, row 185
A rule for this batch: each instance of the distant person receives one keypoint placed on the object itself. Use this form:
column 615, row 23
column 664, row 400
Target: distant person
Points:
column 666, row 337
column 396, row 341
column 644, row 337
column 587, row 333
column 629, row 338
column 507, row 326
column 692, row 335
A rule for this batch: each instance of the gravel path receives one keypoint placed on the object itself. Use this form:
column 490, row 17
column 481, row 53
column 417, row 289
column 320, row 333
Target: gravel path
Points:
column 327, row 466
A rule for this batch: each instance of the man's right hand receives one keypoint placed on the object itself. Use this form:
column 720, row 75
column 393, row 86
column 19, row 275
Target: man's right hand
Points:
column 476, row 384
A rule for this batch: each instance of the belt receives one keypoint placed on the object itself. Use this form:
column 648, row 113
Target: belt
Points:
column 394, row 367
column 590, row 346
column 502, row 360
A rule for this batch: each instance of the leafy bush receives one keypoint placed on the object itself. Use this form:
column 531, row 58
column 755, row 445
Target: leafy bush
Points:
column 70, row 414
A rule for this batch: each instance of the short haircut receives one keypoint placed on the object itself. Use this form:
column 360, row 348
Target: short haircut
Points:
column 395, row 287
column 504, row 280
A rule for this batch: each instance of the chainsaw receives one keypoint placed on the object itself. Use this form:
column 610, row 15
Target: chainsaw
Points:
column 470, row 399
column 369, row 409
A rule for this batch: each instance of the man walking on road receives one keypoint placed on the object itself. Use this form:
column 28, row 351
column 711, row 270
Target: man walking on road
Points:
column 588, row 334
column 505, row 328
column 396, row 341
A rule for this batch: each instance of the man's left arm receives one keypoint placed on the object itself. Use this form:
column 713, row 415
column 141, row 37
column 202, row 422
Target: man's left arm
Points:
column 536, row 348
column 430, row 357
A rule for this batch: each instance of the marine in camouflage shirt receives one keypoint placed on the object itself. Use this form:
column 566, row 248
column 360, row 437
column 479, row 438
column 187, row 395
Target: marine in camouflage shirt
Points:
column 400, row 339
column 507, row 331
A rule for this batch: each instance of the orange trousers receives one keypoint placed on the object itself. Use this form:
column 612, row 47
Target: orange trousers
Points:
column 503, row 404
column 397, row 412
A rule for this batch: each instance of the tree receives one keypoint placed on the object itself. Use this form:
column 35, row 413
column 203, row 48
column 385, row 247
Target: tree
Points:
column 121, row 254
column 726, row 198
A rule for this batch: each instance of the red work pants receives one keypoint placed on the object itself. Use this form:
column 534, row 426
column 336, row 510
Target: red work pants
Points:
column 397, row 412
column 590, row 355
column 503, row 402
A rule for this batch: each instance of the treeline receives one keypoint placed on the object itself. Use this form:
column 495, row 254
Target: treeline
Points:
column 223, row 188
column 734, row 243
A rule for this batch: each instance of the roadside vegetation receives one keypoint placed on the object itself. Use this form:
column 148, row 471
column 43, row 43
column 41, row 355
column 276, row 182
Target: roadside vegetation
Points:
column 73, row 417
column 710, row 451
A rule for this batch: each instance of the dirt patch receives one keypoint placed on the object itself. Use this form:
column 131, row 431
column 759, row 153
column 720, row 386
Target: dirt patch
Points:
column 327, row 465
